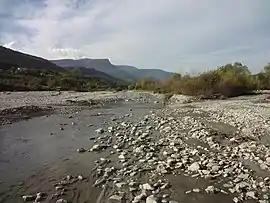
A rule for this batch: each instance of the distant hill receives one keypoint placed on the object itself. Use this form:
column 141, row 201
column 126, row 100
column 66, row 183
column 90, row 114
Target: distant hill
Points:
column 123, row 72
column 103, row 65
column 155, row 74
column 10, row 58
column 90, row 72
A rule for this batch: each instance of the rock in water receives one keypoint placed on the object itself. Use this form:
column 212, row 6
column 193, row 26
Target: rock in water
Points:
column 99, row 131
column 80, row 177
column 61, row 201
column 27, row 198
column 95, row 148
column 81, row 150
column 40, row 196
column 210, row 189
column 196, row 190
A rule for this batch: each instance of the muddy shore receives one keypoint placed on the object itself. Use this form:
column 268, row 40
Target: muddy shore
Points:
column 127, row 147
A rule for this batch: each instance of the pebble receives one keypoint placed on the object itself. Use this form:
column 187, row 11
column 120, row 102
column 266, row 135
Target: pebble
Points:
column 139, row 197
column 96, row 147
column 194, row 167
column 61, row 201
column 147, row 186
column 80, row 177
column 40, row 196
column 116, row 197
column 81, row 150
column 99, row 131
column 196, row 190
column 27, row 198
column 152, row 199
column 210, row 189
column 251, row 195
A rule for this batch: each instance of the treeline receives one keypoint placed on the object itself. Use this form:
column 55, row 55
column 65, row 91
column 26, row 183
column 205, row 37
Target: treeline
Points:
column 26, row 80
column 225, row 81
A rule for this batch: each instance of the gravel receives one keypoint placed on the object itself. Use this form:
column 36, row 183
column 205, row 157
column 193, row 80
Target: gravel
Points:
column 24, row 105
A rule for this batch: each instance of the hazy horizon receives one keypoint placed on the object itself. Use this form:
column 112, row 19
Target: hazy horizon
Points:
column 176, row 35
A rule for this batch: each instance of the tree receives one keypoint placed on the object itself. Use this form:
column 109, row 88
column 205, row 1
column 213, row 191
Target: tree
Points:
column 34, row 84
column 267, row 69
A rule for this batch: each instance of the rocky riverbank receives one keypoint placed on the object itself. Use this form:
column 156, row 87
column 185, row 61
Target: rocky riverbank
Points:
column 16, row 106
column 210, row 151
column 219, row 143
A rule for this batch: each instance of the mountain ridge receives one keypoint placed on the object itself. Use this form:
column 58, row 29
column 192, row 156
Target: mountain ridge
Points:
column 156, row 74
column 103, row 65
column 19, row 59
column 102, row 68
column 123, row 72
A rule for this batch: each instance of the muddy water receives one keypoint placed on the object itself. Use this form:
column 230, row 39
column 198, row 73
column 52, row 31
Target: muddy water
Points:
column 32, row 151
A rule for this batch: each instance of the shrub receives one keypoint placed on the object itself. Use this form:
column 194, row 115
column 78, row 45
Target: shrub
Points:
column 225, row 81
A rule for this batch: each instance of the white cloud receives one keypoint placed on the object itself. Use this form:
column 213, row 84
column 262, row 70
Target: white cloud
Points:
column 174, row 35
column 66, row 52
column 9, row 45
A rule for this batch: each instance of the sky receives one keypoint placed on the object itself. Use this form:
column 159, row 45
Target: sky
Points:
column 174, row 35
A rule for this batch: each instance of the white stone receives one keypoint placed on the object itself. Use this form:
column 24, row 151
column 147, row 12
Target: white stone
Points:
column 28, row 198
column 147, row 186
column 263, row 166
column 80, row 177
column 99, row 131
column 121, row 156
column 61, row 201
column 196, row 190
column 194, row 167
column 210, row 189
column 251, row 194
column 215, row 168
column 119, row 185
column 95, row 147
column 138, row 198
column 116, row 197
column 267, row 160
column 151, row 199
column 236, row 200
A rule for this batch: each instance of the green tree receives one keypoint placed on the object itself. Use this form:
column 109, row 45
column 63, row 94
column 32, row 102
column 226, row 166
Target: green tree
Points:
column 34, row 84
column 267, row 69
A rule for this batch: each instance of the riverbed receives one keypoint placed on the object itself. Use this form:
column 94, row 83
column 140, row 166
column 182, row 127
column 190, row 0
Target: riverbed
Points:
column 133, row 149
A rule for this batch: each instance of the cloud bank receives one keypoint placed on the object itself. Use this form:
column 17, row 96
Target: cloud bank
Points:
column 175, row 35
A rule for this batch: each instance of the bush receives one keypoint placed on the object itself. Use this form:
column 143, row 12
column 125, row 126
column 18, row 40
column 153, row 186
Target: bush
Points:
column 225, row 81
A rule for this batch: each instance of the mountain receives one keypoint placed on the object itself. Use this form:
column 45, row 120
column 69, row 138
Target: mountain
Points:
column 123, row 72
column 90, row 72
column 10, row 58
column 155, row 74
column 102, row 65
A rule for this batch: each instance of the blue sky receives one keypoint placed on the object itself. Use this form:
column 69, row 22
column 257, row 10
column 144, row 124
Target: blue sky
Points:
column 175, row 35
